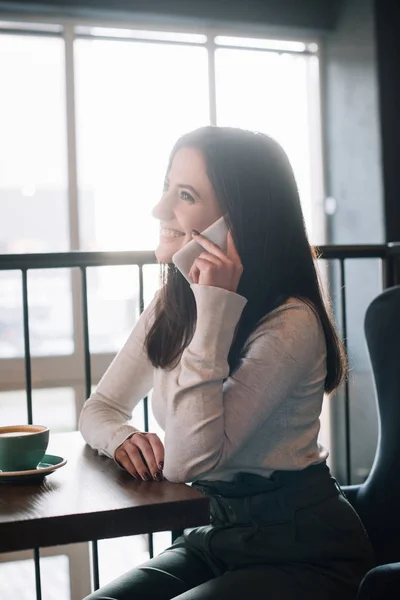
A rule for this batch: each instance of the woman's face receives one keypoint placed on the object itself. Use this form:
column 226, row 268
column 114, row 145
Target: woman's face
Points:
column 188, row 203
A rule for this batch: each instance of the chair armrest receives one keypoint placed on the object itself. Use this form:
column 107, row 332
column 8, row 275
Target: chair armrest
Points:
column 381, row 583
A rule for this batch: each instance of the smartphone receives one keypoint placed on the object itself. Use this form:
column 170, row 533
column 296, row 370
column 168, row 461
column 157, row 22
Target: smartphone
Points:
column 185, row 257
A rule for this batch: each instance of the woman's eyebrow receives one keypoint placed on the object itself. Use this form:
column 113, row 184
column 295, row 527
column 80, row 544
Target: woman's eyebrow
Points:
column 189, row 187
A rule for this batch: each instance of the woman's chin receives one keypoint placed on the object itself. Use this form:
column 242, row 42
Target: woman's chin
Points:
column 167, row 248
column 164, row 255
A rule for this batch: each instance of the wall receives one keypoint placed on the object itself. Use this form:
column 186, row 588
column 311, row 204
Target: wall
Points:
column 354, row 180
column 387, row 26
column 307, row 14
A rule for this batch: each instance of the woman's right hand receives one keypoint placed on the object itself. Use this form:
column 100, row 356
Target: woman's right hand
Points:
column 142, row 455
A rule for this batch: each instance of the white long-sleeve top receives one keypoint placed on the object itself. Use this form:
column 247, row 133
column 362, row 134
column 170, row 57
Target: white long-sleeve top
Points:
column 262, row 418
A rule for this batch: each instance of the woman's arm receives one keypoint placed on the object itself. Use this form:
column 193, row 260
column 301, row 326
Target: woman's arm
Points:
column 104, row 418
column 208, row 420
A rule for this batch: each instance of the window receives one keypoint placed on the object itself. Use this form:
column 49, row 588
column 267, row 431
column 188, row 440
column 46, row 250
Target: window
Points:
column 88, row 116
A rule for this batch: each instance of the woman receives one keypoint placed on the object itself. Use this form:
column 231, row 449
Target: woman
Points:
column 239, row 362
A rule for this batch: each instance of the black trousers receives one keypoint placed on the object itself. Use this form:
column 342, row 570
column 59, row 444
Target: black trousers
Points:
column 293, row 536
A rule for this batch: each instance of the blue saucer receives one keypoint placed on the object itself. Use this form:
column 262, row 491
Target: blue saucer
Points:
column 48, row 465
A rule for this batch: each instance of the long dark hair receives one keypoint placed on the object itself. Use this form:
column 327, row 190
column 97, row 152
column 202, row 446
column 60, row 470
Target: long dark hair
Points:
column 257, row 193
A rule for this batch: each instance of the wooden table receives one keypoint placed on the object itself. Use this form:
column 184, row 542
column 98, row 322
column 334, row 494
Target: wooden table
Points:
column 90, row 499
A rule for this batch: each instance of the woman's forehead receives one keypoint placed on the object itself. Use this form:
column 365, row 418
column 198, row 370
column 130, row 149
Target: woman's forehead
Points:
column 188, row 162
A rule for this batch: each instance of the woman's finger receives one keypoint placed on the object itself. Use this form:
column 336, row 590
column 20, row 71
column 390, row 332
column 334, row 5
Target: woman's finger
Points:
column 142, row 442
column 205, row 266
column 211, row 258
column 137, row 460
column 209, row 246
column 231, row 250
column 194, row 274
column 123, row 459
column 158, row 449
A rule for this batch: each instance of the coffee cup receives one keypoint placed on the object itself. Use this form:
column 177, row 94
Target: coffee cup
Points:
column 22, row 447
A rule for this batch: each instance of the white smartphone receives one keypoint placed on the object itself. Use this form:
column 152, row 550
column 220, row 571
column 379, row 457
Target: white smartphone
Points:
column 185, row 257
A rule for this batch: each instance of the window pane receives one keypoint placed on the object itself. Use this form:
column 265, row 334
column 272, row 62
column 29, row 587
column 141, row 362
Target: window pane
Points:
column 50, row 313
column 11, row 329
column 133, row 100
column 33, row 189
column 119, row 555
column 113, row 305
column 17, row 579
column 33, row 174
column 54, row 407
column 268, row 92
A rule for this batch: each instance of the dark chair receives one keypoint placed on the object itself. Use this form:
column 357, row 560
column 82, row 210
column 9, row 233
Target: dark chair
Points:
column 377, row 501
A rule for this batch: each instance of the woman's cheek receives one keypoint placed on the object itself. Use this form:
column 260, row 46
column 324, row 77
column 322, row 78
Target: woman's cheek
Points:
column 196, row 216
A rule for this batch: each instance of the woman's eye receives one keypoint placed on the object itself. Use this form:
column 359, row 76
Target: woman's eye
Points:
column 186, row 196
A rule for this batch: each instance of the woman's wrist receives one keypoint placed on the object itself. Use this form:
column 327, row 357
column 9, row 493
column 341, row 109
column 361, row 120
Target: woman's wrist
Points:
column 218, row 313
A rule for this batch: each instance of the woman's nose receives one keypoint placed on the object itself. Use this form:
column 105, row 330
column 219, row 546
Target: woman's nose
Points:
column 163, row 210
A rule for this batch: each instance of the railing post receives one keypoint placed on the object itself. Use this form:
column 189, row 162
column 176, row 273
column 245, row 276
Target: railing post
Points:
column 88, row 388
column 394, row 250
column 27, row 345
column 86, row 342
column 346, row 383
column 38, row 583
column 387, row 272
column 150, row 538
column 391, row 265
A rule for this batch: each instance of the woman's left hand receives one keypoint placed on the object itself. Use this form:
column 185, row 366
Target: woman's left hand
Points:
column 215, row 267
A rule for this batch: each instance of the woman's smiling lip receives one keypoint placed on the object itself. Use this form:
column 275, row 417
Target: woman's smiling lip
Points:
column 168, row 233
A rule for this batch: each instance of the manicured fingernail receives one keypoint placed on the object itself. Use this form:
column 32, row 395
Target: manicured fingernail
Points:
column 195, row 232
column 161, row 465
column 146, row 476
column 158, row 476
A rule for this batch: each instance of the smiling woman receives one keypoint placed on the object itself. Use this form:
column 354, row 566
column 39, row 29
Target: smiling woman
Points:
column 239, row 362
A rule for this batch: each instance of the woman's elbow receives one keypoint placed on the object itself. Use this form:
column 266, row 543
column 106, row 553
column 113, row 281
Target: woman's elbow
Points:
column 174, row 476
column 177, row 475
column 178, row 471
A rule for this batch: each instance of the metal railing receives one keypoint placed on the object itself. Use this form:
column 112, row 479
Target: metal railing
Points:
column 388, row 253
